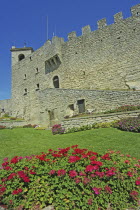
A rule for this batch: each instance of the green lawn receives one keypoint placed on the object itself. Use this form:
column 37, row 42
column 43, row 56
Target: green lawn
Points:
column 27, row 141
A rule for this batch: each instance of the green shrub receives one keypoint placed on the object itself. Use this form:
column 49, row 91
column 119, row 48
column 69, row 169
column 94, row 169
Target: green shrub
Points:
column 104, row 124
column 13, row 118
column 40, row 128
column 71, row 178
column 29, row 126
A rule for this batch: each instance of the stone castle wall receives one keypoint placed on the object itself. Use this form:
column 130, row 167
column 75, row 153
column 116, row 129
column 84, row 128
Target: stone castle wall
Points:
column 5, row 107
column 105, row 59
column 52, row 105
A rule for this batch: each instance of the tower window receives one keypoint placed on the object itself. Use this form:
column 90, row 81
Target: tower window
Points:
column 21, row 57
column 24, row 76
column 37, row 86
column 56, row 82
column 25, row 91
column 37, row 71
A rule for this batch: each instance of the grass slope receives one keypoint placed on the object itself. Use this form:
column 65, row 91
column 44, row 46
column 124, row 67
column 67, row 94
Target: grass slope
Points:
column 27, row 141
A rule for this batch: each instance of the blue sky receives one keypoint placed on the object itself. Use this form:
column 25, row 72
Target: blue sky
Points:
column 26, row 21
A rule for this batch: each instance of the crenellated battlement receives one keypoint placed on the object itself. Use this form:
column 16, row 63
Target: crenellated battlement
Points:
column 118, row 18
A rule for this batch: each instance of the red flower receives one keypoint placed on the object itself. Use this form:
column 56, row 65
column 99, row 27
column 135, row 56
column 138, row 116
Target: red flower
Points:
column 93, row 158
column 78, row 151
column 7, row 168
column 82, row 174
column 134, row 194
column 23, row 176
column 129, row 173
column 15, row 192
column 97, row 163
column 72, row 173
column 137, row 182
column 52, row 172
column 26, row 179
column 108, row 189
column 32, row 172
column 106, row 156
column 86, row 180
column 100, row 174
column 61, row 172
column 90, row 168
column 74, row 146
column 73, row 159
column 56, row 155
column 26, row 168
column 127, row 161
column 89, row 153
column 77, row 180
column 96, row 190
column 5, row 164
column 110, row 173
column 2, row 189
column 11, row 176
column 90, row 201
column 14, row 160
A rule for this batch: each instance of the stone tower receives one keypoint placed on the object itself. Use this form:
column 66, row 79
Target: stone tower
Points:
column 19, row 54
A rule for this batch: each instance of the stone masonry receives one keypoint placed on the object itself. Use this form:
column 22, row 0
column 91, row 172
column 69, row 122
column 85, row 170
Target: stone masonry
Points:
column 96, row 71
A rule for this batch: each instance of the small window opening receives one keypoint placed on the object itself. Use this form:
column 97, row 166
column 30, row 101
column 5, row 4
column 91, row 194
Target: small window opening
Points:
column 71, row 106
column 57, row 59
column 56, row 82
column 25, row 91
column 30, row 58
column 2, row 110
column 37, row 71
column 37, row 86
column 24, row 76
column 118, row 37
column 137, row 13
column 21, row 57
column 53, row 62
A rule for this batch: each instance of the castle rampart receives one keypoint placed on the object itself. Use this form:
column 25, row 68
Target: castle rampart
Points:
column 96, row 61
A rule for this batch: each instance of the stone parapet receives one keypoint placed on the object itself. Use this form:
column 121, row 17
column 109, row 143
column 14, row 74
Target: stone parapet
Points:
column 100, row 118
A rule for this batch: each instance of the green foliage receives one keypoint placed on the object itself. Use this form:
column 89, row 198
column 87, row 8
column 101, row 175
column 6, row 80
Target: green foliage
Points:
column 13, row 118
column 71, row 178
column 40, row 128
column 29, row 126
column 104, row 124
column 89, row 127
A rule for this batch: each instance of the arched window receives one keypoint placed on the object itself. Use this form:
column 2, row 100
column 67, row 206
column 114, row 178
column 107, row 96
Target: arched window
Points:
column 56, row 82
column 21, row 57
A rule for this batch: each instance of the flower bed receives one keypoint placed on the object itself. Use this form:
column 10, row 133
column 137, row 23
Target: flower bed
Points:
column 71, row 178
column 131, row 124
